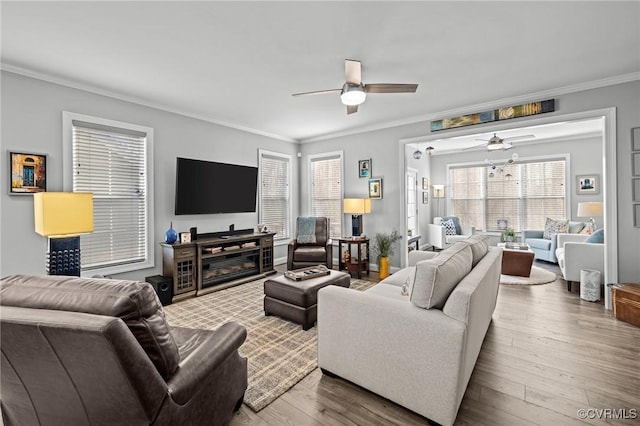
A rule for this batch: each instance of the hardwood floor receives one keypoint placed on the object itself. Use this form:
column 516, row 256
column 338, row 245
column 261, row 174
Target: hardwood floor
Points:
column 547, row 354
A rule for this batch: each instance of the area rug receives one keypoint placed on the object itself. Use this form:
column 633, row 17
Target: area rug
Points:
column 279, row 352
column 538, row 276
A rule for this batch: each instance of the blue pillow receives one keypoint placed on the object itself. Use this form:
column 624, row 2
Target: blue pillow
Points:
column 597, row 237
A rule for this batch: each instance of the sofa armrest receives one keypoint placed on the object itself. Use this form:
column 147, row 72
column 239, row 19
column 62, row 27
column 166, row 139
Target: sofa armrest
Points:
column 436, row 235
column 329, row 250
column 579, row 256
column 532, row 233
column 416, row 256
column 205, row 359
column 468, row 230
column 574, row 238
column 293, row 244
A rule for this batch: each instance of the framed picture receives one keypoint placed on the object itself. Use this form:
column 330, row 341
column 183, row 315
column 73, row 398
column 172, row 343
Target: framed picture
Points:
column 364, row 168
column 636, row 190
column 425, row 198
column 375, row 188
column 425, row 184
column 587, row 184
column 635, row 139
column 502, row 224
column 27, row 173
column 636, row 164
column 636, row 215
column 185, row 237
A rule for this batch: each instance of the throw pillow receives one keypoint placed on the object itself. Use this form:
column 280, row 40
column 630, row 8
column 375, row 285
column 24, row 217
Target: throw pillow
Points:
column 575, row 227
column 479, row 246
column 597, row 237
column 456, row 223
column 449, row 227
column 552, row 227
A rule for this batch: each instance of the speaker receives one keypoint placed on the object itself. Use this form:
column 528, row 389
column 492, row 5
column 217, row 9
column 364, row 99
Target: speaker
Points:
column 163, row 287
column 194, row 233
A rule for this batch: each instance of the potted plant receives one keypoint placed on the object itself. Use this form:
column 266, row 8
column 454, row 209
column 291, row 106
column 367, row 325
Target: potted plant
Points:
column 383, row 248
column 508, row 235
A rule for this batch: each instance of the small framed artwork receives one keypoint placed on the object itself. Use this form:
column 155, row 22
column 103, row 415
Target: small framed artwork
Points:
column 636, row 190
column 502, row 224
column 635, row 139
column 185, row 237
column 364, row 168
column 27, row 173
column 636, row 164
column 425, row 184
column 636, row 215
column 425, row 198
column 375, row 188
column 587, row 184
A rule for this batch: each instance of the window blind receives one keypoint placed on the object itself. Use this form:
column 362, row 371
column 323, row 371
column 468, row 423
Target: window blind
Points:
column 326, row 191
column 111, row 163
column 275, row 199
column 524, row 194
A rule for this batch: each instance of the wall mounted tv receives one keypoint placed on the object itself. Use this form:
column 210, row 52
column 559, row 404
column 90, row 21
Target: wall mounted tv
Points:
column 204, row 187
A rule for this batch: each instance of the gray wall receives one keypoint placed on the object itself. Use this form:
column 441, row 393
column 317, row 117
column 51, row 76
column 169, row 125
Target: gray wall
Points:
column 32, row 122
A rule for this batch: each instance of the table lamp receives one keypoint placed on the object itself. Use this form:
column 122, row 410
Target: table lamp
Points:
column 590, row 209
column 356, row 207
column 62, row 216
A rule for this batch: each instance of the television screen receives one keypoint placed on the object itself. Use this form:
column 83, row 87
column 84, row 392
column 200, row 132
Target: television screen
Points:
column 208, row 187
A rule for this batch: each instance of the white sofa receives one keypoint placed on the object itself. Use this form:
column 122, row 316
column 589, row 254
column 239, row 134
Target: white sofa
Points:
column 574, row 254
column 392, row 345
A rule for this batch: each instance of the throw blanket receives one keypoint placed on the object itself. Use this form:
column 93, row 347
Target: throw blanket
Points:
column 306, row 230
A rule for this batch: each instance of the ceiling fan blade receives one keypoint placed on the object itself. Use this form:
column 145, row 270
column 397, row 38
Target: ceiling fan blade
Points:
column 352, row 71
column 352, row 108
column 517, row 138
column 317, row 92
column 390, row 88
column 474, row 146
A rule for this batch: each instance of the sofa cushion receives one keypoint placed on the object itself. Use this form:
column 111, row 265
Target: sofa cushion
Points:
column 479, row 246
column 575, row 227
column 436, row 278
column 552, row 227
column 539, row 243
column 456, row 223
column 136, row 303
column 597, row 237
column 449, row 227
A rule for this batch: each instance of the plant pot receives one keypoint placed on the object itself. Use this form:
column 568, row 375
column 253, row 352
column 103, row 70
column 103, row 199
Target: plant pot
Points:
column 383, row 267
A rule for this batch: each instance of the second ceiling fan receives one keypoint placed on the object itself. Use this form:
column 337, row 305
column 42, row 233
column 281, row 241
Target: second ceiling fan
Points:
column 354, row 91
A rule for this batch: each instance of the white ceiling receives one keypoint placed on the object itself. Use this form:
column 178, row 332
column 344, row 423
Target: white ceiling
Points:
column 238, row 63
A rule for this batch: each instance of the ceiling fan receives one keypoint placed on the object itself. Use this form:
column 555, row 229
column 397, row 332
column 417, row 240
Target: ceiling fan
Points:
column 354, row 91
column 495, row 142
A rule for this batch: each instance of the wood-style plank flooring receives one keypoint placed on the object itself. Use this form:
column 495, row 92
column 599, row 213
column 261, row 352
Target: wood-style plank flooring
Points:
column 547, row 354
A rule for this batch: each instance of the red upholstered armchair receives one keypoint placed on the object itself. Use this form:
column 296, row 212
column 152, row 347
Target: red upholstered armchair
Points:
column 312, row 245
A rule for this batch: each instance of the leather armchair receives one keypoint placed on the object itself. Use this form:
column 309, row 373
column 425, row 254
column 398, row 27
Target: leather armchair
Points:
column 301, row 255
column 96, row 351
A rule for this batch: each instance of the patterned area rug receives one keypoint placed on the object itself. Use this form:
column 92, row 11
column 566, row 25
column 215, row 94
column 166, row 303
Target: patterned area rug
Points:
column 279, row 352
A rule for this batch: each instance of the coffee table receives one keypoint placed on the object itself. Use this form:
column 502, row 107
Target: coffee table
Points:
column 516, row 262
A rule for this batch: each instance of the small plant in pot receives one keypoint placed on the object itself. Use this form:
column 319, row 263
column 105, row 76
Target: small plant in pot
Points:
column 383, row 249
column 508, row 235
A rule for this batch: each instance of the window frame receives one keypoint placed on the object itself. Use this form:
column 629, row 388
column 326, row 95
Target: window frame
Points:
column 327, row 156
column 67, row 167
column 288, row 158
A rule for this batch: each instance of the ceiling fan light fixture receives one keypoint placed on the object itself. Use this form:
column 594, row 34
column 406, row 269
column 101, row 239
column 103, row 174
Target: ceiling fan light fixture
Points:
column 352, row 94
column 495, row 145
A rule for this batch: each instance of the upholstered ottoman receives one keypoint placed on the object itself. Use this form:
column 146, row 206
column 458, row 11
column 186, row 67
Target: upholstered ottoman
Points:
column 517, row 262
column 298, row 300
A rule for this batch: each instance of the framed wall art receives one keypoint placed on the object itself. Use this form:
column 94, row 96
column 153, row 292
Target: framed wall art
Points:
column 27, row 173
column 425, row 198
column 375, row 188
column 588, row 184
column 185, row 237
column 425, row 184
column 364, row 168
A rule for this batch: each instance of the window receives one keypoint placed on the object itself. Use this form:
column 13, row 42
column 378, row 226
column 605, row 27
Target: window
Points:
column 412, row 201
column 275, row 193
column 112, row 160
column 326, row 189
column 518, row 195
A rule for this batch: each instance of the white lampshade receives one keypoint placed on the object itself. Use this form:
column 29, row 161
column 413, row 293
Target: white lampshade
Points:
column 590, row 209
column 438, row 191
column 357, row 205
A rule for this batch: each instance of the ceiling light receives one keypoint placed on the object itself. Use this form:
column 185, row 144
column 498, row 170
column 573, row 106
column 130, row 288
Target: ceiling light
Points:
column 417, row 154
column 352, row 94
column 429, row 149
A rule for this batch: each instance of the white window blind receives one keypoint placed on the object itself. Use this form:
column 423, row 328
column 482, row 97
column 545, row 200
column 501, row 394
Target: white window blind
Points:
column 275, row 193
column 524, row 194
column 326, row 191
column 111, row 163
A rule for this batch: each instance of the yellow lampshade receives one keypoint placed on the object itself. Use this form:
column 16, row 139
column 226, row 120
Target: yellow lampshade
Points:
column 590, row 209
column 356, row 205
column 63, row 213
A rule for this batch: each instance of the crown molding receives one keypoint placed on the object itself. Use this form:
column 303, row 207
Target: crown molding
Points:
column 609, row 81
column 138, row 101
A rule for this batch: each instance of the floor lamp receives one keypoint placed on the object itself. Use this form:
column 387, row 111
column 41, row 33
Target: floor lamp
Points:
column 356, row 207
column 62, row 216
column 438, row 193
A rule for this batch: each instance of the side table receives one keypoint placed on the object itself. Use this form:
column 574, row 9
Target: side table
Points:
column 358, row 260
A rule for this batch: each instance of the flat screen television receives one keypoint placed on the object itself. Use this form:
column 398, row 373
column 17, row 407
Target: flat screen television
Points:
column 204, row 187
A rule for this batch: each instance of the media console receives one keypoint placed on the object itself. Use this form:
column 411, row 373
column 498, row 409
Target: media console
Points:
column 216, row 261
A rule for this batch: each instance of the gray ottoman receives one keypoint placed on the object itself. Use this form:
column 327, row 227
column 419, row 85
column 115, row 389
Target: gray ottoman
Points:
column 298, row 300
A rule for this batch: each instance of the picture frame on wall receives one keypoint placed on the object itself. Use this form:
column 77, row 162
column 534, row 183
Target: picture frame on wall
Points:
column 636, row 190
column 27, row 173
column 425, row 198
column 588, row 184
column 425, row 184
column 364, row 168
column 635, row 139
column 375, row 188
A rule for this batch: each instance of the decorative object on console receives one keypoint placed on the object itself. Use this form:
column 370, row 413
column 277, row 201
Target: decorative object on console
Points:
column 62, row 216
column 185, row 237
column 588, row 184
column 590, row 210
column 375, row 188
column 27, row 173
column 171, row 236
column 356, row 207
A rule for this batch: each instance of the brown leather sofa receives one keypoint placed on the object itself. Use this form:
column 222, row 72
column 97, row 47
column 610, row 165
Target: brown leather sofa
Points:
column 79, row 351
column 320, row 252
